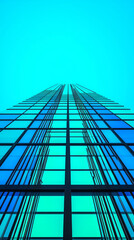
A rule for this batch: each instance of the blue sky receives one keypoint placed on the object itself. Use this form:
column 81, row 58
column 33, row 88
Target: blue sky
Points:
column 43, row 42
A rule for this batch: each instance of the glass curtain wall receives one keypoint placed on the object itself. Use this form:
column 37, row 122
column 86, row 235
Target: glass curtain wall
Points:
column 67, row 167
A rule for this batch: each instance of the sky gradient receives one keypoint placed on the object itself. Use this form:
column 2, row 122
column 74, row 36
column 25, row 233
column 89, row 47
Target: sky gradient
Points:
column 90, row 42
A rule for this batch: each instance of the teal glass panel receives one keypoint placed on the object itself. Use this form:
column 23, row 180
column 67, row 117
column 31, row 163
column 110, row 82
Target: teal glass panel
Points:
column 32, row 111
column 74, row 117
column 76, row 150
column 125, row 116
column 79, row 163
column 48, row 225
column 55, row 163
column 60, row 117
column 59, row 124
column 3, row 223
column 85, row 225
column 121, row 111
column 6, row 225
column 27, row 116
column 3, row 150
column 27, row 105
column 51, row 204
column 76, row 133
column 57, row 133
column 37, row 107
column 77, row 140
column 81, row 177
column 19, row 124
column 9, row 226
column 131, row 123
column 14, row 111
column 10, row 136
column 76, row 124
column 73, row 111
column 21, row 106
column 120, row 231
column 57, row 150
column 53, row 178
column 57, row 140
column 82, row 204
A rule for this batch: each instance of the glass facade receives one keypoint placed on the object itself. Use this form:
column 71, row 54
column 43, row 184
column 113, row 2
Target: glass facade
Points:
column 67, row 167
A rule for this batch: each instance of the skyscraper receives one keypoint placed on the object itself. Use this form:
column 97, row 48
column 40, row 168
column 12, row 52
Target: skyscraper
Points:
column 67, row 167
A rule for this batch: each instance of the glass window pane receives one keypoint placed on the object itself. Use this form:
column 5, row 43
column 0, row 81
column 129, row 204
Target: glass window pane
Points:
column 4, row 175
column 76, row 124
column 82, row 204
column 110, row 116
column 51, row 204
column 57, row 150
column 4, row 123
column 27, row 116
column 81, row 177
column 131, row 123
column 14, row 111
column 58, row 139
column 78, row 150
column 19, row 124
column 53, row 177
column 59, row 117
column 77, row 140
column 118, row 124
column 126, row 135
column 48, row 225
column 124, row 116
column 101, row 124
column 110, row 136
column 35, row 124
column 124, row 155
column 13, row 157
column 79, row 163
column 59, row 124
column 27, row 136
column 85, row 225
column 8, row 116
column 3, row 150
column 10, row 136
column 55, row 163
column 32, row 111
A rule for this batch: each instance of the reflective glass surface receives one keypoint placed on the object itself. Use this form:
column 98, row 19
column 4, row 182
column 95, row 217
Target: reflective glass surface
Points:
column 66, row 167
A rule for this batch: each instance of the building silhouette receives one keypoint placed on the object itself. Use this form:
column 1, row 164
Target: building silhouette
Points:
column 67, row 167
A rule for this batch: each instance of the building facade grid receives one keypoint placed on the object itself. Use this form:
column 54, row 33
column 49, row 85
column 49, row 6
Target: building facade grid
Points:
column 67, row 167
